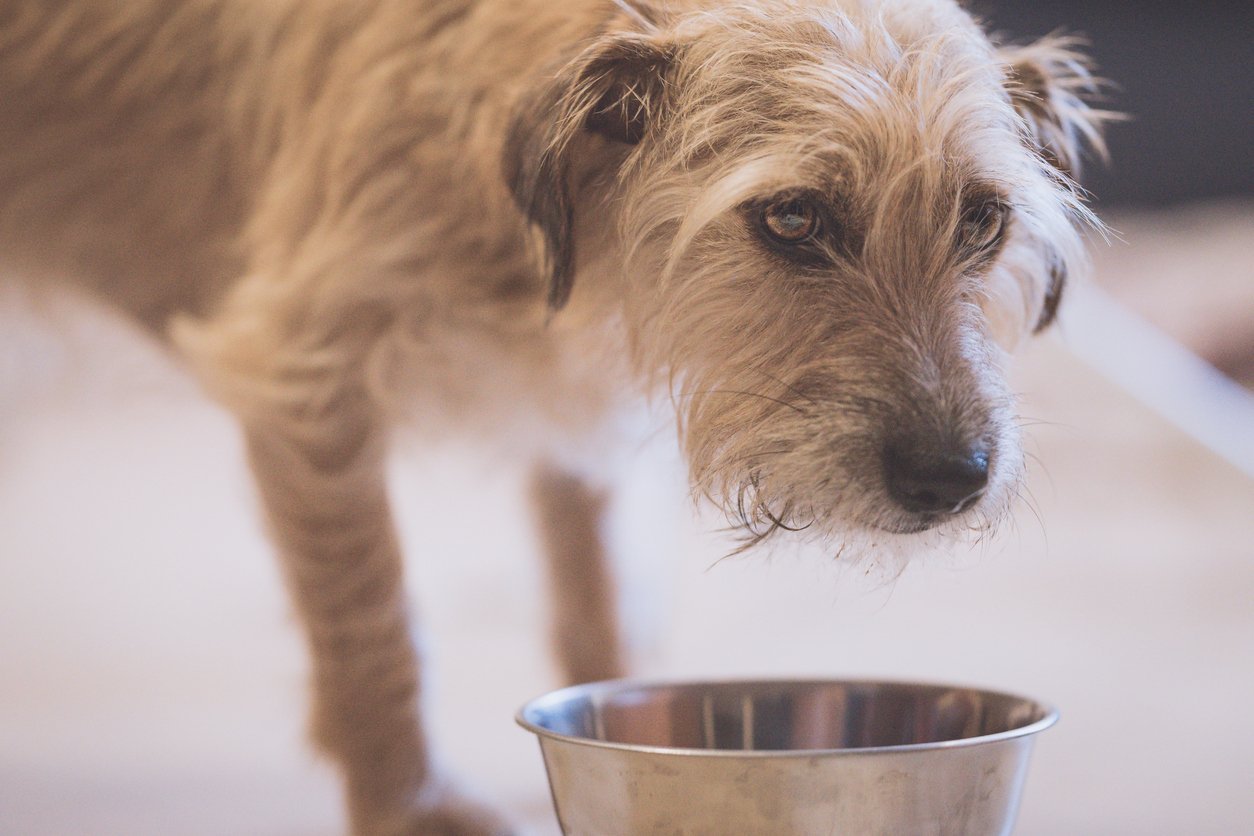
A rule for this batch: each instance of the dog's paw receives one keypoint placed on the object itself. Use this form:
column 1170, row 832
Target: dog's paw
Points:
column 449, row 812
column 463, row 820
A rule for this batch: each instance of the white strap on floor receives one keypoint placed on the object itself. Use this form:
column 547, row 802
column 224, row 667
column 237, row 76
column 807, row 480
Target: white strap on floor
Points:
column 1161, row 373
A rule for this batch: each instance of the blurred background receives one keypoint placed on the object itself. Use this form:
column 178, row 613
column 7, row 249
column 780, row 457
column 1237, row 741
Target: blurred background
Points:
column 1182, row 75
column 152, row 679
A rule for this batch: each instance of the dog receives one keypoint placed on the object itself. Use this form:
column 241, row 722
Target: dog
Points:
column 818, row 226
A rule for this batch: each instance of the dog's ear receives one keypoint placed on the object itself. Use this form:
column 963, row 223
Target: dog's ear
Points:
column 1051, row 84
column 1053, row 297
column 615, row 89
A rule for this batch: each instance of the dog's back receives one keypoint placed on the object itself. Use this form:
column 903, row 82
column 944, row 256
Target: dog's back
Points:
column 150, row 149
column 115, row 169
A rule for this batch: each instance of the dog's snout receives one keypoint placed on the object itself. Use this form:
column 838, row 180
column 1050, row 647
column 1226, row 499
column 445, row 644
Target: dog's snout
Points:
column 935, row 480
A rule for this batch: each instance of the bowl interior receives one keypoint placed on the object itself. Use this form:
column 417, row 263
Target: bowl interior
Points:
column 777, row 716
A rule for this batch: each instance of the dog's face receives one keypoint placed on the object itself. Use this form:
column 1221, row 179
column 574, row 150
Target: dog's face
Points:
column 833, row 219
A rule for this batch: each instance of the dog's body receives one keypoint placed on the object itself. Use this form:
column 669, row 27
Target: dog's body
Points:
column 817, row 222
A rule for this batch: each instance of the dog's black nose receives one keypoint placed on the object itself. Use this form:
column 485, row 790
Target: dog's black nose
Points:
column 935, row 481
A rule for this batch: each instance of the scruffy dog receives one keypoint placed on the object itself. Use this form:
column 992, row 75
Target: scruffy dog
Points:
column 816, row 224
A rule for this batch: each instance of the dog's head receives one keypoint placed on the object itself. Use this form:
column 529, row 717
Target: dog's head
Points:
column 823, row 222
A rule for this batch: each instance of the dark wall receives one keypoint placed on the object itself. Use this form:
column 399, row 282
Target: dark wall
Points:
column 1183, row 73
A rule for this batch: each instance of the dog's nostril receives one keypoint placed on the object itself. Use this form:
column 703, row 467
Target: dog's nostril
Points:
column 935, row 482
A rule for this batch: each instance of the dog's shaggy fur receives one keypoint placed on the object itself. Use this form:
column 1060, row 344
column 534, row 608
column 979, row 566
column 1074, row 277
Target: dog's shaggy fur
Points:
column 511, row 218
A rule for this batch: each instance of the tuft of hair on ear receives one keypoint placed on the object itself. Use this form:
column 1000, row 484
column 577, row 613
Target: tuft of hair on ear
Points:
column 629, row 85
column 1051, row 85
column 614, row 88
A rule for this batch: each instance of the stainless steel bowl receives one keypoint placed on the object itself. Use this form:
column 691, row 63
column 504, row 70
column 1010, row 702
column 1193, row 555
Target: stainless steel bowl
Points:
column 784, row 757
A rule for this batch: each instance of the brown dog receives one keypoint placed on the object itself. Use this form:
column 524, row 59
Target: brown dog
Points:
column 817, row 224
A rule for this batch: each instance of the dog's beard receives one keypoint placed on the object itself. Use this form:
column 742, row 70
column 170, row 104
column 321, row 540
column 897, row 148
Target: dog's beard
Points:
column 805, row 471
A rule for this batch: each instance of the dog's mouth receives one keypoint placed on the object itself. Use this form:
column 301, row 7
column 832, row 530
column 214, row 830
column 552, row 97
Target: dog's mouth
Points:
column 758, row 521
column 917, row 523
column 913, row 527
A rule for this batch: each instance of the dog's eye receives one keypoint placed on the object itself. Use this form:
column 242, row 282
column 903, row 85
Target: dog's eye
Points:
column 791, row 221
column 982, row 225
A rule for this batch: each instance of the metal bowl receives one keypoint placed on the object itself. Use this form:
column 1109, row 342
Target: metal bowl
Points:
column 784, row 757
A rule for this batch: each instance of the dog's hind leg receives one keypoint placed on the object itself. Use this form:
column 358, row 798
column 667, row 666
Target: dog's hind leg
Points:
column 584, row 622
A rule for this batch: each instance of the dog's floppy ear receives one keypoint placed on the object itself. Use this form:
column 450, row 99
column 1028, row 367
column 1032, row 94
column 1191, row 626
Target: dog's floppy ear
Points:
column 1053, row 297
column 1050, row 84
column 615, row 88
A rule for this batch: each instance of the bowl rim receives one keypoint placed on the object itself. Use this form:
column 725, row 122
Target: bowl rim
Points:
column 1049, row 717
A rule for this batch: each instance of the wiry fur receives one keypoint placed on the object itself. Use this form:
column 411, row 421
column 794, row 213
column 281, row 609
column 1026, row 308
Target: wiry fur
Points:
column 510, row 219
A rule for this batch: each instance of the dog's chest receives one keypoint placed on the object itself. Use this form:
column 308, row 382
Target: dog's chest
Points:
column 528, row 386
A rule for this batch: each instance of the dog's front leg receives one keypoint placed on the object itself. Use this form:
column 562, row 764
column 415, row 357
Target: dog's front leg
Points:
column 584, row 620
column 320, row 474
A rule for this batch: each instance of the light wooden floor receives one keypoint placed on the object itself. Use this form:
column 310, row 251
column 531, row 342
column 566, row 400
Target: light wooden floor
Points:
column 151, row 679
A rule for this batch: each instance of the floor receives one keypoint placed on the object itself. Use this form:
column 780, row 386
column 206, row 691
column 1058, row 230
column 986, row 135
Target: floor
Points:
column 151, row 678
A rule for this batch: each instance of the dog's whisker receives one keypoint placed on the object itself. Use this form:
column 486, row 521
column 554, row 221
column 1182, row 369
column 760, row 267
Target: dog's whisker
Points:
column 1026, row 422
column 750, row 458
column 704, row 392
column 777, row 379
column 1042, row 468
column 777, row 521
column 1025, row 495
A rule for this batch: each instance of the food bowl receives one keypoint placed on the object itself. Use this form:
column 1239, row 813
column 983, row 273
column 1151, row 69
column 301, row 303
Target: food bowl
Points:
column 784, row 757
